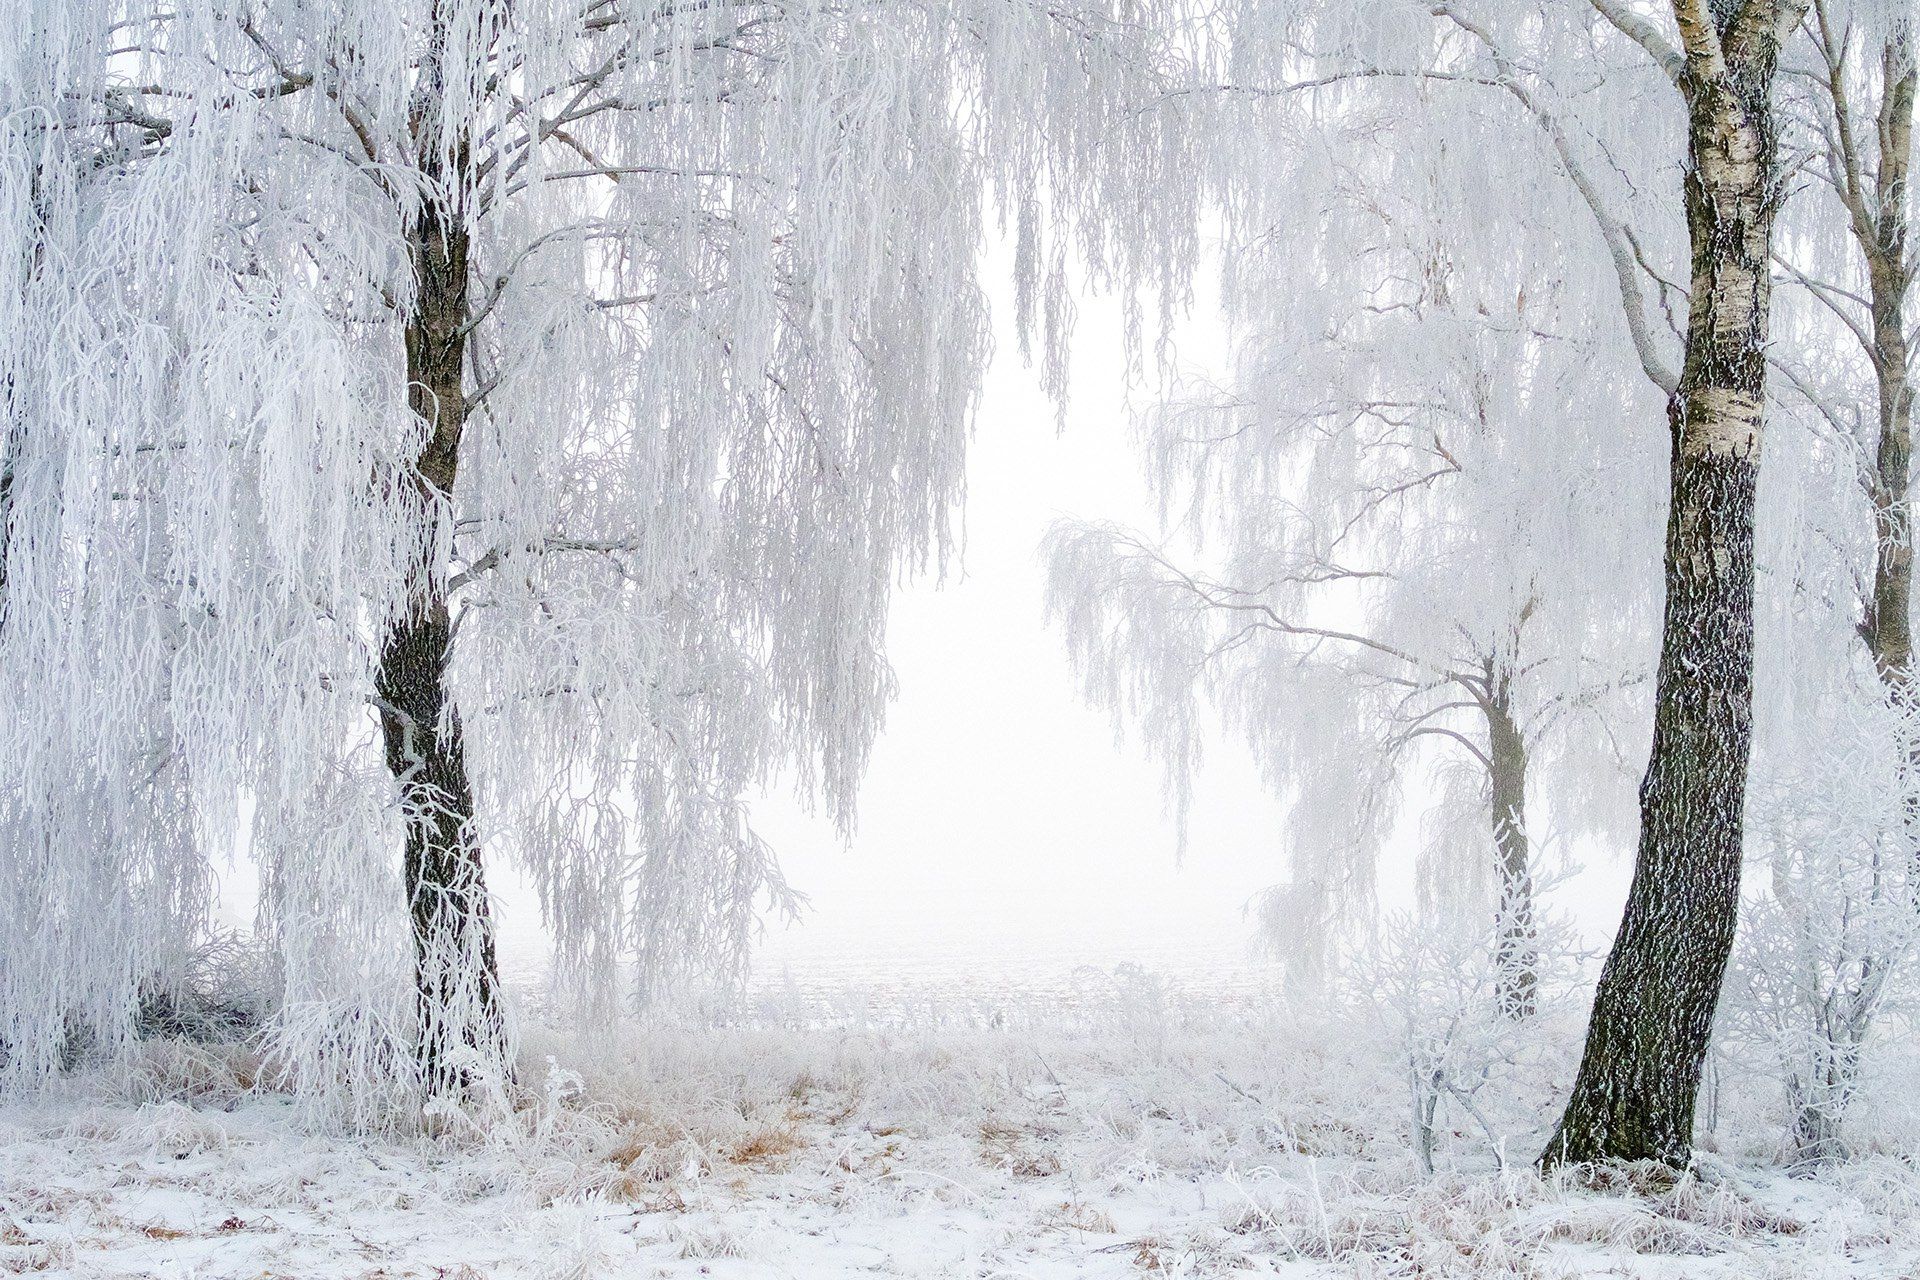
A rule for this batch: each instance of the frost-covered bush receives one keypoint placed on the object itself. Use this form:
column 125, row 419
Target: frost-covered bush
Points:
column 227, row 991
column 1826, row 956
column 1431, row 988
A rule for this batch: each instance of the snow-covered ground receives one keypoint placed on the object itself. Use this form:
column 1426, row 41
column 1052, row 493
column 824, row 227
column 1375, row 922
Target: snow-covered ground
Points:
column 1125, row 1130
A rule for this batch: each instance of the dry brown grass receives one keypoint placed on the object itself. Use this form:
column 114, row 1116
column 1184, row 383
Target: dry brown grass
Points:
column 1020, row 1150
column 766, row 1145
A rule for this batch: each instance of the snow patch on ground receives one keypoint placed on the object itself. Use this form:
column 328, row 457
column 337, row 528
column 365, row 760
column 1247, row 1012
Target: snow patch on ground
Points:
column 1150, row 1147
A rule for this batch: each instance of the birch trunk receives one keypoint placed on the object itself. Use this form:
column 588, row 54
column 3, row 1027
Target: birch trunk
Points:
column 456, row 975
column 1634, row 1096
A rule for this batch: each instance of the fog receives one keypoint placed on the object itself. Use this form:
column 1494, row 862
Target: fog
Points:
column 1001, row 823
column 1004, row 831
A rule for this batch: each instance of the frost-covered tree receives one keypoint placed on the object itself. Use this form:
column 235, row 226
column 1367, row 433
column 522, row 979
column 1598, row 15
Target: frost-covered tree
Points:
column 488, row 426
column 1847, row 247
column 1404, row 528
column 1634, row 1095
column 101, row 884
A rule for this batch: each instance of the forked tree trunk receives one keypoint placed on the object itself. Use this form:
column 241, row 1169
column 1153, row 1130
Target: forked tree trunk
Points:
column 1634, row 1096
column 1517, row 948
column 456, row 976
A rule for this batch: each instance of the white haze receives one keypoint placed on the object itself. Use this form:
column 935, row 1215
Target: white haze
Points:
column 1004, row 834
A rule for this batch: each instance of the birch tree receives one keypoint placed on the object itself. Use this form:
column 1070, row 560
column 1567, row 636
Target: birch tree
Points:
column 1607, row 85
column 1634, row 1095
column 549, row 396
column 1399, row 547
column 1852, row 259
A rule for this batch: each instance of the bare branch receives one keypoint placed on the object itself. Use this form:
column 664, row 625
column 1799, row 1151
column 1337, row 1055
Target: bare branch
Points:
column 491, row 560
column 1830, row 295
column 1642, row 33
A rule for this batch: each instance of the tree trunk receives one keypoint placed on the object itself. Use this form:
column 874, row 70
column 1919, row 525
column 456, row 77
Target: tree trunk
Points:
column 456, row 976
column 1634, row 1096
column 1888, row 626
column 1516, row 951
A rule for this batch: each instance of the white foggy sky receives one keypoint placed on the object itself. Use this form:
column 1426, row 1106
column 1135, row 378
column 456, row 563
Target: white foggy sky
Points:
column 1000, row 817
column 1001, row 825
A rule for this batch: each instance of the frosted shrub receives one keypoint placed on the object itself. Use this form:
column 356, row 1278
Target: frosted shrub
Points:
column 1130, row 994
column 1827, row 952
column 226, row 992
column 1432, row 988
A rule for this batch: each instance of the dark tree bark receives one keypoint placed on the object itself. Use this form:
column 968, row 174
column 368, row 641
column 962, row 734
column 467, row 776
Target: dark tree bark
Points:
column 15, row 441
column 1634, row 1096
column 1880, row 227
column 1516, row 953
column 456, row 975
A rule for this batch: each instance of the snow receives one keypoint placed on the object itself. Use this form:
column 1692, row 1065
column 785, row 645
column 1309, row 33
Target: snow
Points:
column 1062, row 1136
